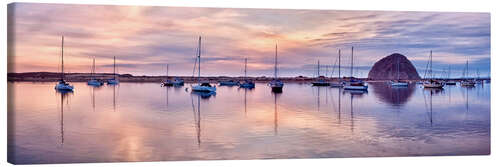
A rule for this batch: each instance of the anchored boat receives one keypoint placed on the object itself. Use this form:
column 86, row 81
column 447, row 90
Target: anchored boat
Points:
column 467, row 82
column 320, row 81
column 203, row 86
column 339, row 83
column 355, row 84
column 432, row 83
column 276, row 84
column 114, row 80
column 93, row 81
column 398, row 82
column 247, row 83
column 63, row 85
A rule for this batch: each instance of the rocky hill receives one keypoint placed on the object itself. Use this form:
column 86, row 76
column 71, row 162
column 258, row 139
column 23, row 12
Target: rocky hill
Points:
column 387, row 68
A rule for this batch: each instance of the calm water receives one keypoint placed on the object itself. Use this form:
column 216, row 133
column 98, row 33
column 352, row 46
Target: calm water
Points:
column 146, row 122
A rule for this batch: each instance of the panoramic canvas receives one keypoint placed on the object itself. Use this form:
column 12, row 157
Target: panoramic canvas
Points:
column 103, row 83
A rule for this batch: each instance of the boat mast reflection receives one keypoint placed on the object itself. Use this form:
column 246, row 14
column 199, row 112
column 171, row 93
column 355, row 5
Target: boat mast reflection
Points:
column 63, row 94
column 276, row 95
column 197, row 119
column 432, row 92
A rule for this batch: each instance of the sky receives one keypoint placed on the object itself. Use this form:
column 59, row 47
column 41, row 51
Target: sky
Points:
column 145, row 38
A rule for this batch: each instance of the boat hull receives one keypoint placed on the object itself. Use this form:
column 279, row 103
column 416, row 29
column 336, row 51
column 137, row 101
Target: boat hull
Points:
column 113, row 82
column 94, row 83
column 337, row 85
column 451, row 83
column 199, row 88
column 433, row 85
column 353, row 87
column 399, row 84
column 63, row 87
column 468, row 84
column 321, row 84
column 249, row 85
column 228, row 83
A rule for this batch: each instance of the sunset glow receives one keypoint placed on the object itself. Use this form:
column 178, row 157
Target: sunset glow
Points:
column 144, row 39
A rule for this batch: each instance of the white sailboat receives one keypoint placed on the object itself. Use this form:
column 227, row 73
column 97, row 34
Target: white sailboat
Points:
column 467, row 82
column 202, row 86
column 340, row 83
column 247, row 83
column 114, row 80
column 355, row 84
column 398, row 82
column 432, row 83
column 63, row 85
column 276, row 84
column 93, row 81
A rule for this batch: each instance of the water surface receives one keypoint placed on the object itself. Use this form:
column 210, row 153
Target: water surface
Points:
column 146, row 122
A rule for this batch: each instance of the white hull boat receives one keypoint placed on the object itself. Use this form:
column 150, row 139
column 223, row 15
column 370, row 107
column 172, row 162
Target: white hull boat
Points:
column 353, row 87
column 63, row 85
column 204, row 87
column 94, row 83
column 399, row 84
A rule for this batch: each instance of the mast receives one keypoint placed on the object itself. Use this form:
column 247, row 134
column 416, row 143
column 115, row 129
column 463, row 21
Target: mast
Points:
column 62, row 58
column 467, row 69
column 430, row 71
column 318, row 68
column 398, row 68
column 276, row 63
column 167, row 71
column 449, row 71
column 114, row 67
column 93, row 68
column 352, row 59
column 199, row 58
column 245, row 68
column 339, row 64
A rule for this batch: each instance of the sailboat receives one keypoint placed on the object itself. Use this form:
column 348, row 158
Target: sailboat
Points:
column 229, row 83
column 93, row 81
column 320, row 81
column 63, row 85
column 202, row 86
column 247, row 83
column 339, row 83
column 467, row 82
column 355, row 84
column 276, row 84
column 432, row 83
column 167, row 81
column 398, row 82
column 114, row 80
column 449, row 81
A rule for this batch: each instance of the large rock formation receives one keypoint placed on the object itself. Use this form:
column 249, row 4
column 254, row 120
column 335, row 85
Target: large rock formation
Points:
column 387, row 68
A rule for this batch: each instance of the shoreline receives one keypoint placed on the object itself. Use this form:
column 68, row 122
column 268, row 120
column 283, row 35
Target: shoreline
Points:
column 84, row 77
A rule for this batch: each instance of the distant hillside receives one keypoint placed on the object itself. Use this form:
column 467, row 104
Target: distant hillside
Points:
column 83, row 77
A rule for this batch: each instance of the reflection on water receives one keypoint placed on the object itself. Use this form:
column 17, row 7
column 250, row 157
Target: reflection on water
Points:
column 393, row 95
column 146, row 122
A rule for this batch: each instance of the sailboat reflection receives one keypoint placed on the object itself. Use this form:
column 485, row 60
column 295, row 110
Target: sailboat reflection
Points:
column 197, row 119
column 64, row 94
column 92, row 98
column 204, row 95
column 393, row 95
column 336, row 107
column 114, row 95
column 432, row 92
column 276, row 95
